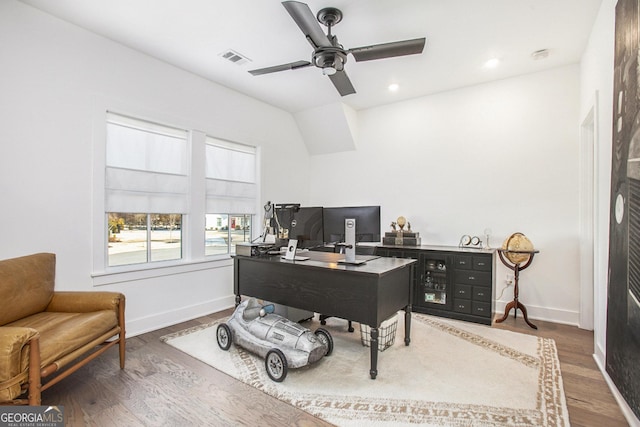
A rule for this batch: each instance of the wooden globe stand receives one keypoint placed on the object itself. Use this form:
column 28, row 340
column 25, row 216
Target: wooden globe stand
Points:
column 516, row 267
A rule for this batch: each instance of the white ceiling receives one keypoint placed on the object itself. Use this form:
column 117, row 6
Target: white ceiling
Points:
column 461, row 36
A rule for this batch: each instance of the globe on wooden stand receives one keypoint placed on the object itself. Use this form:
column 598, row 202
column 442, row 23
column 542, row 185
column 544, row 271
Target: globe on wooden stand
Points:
column 516, row 254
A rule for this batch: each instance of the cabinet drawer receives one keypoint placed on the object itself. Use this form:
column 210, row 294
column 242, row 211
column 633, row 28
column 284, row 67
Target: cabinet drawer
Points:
column 462, row 305
column 464, row 262
column 462, row 291
column 472, row 277
column 481, row 308
column 481, row 293
column 482, row 263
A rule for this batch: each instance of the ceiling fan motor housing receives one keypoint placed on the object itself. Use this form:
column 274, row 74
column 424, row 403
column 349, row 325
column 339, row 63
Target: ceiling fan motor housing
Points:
column 329, row 57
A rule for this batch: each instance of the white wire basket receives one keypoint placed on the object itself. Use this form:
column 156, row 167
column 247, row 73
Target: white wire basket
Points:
column 386, row 333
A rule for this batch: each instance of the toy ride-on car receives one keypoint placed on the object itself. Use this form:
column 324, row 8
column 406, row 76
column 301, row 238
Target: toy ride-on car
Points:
column 282, row 343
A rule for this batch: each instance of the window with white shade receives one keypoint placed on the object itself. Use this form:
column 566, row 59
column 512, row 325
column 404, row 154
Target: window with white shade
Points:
column 146, row 190
column 231, row 194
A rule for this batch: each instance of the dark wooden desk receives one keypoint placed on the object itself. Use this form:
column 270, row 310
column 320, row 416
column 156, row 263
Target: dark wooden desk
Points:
column 368, row 293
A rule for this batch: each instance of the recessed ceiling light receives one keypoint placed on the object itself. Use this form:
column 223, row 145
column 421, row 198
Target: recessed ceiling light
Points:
column 393, row 87
column 492, row 63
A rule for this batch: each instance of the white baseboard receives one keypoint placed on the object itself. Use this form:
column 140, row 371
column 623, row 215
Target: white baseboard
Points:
column 626, row 409
column 599, row 354
column 169, row 318
column 555, row 315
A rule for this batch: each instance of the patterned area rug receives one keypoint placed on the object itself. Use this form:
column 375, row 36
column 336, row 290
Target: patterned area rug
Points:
column 453, row 374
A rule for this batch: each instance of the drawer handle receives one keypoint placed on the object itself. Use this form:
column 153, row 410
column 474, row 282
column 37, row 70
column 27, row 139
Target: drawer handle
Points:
column 460, row 306
column 472, row 278
column 480, row 294
column 462, row 292
column 480, row 309
column 481, row 263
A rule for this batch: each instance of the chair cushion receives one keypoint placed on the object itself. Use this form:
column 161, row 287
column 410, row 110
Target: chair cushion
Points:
column 26, row 285
column 63, row 333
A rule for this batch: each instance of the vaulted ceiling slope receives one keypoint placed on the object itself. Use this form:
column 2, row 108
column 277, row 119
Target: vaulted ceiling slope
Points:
column 461, row 36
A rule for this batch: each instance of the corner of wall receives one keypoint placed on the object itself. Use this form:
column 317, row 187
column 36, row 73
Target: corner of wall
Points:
column 330, row 128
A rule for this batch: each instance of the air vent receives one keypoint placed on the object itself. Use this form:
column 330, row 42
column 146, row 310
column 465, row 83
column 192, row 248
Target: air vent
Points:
column 235, row 57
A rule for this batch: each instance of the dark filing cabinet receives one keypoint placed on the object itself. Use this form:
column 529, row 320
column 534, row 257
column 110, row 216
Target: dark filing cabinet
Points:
column 451, row 282
column 473, row 286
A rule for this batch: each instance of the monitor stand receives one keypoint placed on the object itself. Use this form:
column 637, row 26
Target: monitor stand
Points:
column 350, row 243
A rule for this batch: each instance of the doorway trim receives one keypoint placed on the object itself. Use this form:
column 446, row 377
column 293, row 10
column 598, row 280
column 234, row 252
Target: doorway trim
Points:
column 587, row 213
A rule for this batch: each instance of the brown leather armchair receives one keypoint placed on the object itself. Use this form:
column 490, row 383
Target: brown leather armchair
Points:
column 43, row 332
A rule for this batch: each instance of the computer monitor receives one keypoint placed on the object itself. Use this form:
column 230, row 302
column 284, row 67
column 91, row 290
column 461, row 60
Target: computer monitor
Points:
column 367, row 223
column 305, row 225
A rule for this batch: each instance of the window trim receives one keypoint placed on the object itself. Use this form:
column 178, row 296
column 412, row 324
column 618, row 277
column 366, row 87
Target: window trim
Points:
column 162, row 269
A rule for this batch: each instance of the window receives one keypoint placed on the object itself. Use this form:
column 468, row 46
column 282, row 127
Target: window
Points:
column 167, row 196
column 230, row 195
column 140, row 238
column 224, row 231
column 146, row 190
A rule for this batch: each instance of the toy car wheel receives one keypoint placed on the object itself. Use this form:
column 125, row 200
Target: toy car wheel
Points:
column 324, row 336
column 223, row 336
column 276, row 365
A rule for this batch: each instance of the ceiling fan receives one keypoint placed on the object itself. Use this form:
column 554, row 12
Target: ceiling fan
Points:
column 328, row 54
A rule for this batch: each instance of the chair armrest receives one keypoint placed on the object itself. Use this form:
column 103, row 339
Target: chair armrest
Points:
column 13, row 362
column 85, row 302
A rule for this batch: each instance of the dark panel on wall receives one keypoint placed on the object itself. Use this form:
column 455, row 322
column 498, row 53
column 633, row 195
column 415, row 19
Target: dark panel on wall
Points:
column 623, row 308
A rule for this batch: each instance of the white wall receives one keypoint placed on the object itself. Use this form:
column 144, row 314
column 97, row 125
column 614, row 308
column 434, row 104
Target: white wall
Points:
column 502, row 155
column 53, row 74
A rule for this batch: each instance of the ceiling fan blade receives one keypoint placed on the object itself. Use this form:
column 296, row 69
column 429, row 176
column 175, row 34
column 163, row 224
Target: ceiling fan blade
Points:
column 388, row 50
column 341, row 81
column 307, row 22
column 283, row 67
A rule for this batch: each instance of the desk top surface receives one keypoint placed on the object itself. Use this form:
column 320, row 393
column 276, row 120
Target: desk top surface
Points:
column 373, row 264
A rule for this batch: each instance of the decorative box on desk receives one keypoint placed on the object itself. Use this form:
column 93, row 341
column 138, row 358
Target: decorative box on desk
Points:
column 401, row 238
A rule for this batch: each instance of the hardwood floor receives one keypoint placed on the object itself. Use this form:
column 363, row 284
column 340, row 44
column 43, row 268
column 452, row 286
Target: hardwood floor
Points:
column 162, row 386
column 589, row 398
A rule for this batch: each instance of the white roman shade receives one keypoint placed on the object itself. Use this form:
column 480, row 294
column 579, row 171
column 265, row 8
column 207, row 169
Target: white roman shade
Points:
column 231, row 177
column 146, row 167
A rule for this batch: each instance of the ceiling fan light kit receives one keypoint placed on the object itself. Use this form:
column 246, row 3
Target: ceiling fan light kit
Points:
column 329, row 71
column 329, row 58
column 328, row 54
